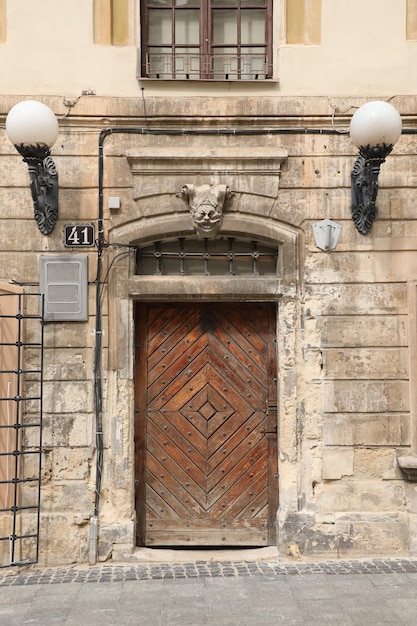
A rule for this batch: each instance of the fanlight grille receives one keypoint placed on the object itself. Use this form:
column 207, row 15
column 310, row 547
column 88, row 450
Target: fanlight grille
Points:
column 205, row 257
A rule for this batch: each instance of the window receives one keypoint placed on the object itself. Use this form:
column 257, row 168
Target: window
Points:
column 206, row 257
column 207, row 39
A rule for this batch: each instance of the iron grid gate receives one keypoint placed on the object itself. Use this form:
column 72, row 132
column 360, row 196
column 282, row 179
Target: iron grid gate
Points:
column 21, row 381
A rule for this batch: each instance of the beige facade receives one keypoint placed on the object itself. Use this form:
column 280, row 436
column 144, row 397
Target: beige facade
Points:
column 346, row 319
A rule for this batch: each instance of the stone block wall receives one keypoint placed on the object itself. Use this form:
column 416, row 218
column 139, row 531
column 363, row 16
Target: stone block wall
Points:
column 343, row 334
column 353, row 365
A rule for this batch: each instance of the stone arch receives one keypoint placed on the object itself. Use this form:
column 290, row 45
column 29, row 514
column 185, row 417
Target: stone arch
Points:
column 284, row 289
column 125, row 288
column 257, row 227
column 156, row 212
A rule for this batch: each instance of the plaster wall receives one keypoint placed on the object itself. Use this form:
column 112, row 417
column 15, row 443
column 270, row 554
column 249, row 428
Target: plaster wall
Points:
column 352, row 49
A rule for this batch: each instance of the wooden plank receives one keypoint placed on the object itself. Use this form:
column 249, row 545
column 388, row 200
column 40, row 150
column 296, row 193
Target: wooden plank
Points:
column 190, row 498
column 185, row 333
column 253, row 533
column 226, row 537
column 243, row 354
column 221, row 508
column 246, row 329
column 177, row 479
column 240, row 429
column 218, row 420
column 182, row 432
column 183, row 455
column 240, row 456
column 165, row 324
column 160, row 501
column 241, row 377
column 253, row 501
column 227, row 390
column 257, row 508
column 216, row 454
column 174, row 393
column 186, row 350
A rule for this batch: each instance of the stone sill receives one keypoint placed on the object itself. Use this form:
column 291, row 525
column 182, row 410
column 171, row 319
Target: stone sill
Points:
column 408, row 466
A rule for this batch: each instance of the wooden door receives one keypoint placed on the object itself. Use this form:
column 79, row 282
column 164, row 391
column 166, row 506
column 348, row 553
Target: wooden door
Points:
column 206, row 424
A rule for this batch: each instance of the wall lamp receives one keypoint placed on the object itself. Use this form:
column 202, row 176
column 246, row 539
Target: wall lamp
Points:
column 374, row 129
column 33, row 129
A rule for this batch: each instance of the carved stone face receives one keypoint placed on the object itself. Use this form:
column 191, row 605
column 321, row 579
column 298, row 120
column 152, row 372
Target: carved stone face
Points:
column 206, row 206
column 206, row 215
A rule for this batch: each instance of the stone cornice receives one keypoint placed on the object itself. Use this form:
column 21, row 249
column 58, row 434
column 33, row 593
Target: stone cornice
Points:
column 321, row 110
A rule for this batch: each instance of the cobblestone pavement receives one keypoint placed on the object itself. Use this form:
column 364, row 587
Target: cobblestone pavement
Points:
column 377, row 592
column 202, row 569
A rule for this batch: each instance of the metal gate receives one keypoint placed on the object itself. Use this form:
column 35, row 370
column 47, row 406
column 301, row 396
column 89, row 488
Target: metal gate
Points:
column 21, row 378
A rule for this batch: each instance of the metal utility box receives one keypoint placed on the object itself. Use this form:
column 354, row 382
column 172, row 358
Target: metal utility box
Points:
column 64, row 282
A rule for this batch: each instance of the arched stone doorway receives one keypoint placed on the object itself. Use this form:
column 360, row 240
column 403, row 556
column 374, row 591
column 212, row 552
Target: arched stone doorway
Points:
column 156, row 303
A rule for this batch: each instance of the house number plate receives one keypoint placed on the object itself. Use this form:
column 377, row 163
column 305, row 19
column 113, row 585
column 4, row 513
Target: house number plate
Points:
column 79, row 235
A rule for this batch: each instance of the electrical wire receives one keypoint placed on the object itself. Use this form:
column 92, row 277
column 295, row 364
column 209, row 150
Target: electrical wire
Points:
column 115, row 258
column 98, row 389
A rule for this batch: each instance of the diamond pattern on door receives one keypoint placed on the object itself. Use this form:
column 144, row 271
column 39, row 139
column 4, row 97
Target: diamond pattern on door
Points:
column 206, row 425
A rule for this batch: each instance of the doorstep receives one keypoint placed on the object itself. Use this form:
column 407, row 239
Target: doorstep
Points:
column 164, row 555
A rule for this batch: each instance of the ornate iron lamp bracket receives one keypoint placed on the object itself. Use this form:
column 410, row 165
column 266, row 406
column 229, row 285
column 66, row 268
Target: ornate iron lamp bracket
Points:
column 43, row 185
column 365, row 185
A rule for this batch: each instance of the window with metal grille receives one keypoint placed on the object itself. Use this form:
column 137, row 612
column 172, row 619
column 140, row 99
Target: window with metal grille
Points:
column 206, row 39
column 205, row 257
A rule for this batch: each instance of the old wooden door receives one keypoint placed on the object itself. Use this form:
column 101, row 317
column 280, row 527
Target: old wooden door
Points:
column 206, row 424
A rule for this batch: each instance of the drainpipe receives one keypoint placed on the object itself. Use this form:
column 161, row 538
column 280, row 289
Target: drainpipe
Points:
column 98, row 391
column 92, row 547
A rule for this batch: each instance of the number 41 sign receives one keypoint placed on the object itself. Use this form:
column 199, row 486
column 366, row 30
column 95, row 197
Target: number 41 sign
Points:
column 79, row 235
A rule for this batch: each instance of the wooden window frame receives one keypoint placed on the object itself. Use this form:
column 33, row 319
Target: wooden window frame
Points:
column 206, row 49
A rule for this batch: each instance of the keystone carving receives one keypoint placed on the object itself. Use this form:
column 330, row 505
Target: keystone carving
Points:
column 206, row 206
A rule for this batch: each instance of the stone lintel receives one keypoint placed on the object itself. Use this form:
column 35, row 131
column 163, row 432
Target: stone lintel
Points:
column 205, row 288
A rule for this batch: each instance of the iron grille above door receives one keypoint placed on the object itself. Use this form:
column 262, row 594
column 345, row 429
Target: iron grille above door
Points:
column 205, row 257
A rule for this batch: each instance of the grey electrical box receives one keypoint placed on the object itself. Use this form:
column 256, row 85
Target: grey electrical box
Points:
column 64, row 282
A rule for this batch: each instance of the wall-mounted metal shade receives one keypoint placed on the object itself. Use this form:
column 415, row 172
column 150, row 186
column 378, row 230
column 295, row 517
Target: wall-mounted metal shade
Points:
column 33, row 129
column 375, row 123
column 32, row 123
column 374, row 129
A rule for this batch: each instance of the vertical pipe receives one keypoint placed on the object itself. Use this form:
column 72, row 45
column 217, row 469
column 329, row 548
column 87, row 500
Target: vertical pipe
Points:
column 97, row 353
